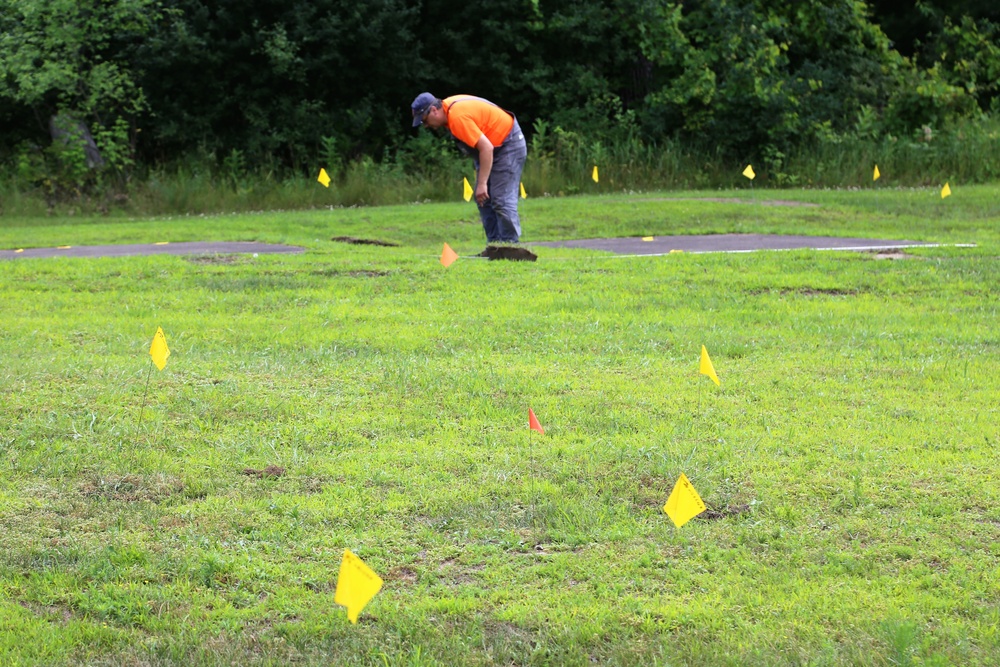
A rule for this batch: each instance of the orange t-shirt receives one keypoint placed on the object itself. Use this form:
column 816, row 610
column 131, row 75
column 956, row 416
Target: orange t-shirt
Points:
column 471, row 117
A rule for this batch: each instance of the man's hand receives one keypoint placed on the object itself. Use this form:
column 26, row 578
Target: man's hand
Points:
column 482, row 194
column 485, row 149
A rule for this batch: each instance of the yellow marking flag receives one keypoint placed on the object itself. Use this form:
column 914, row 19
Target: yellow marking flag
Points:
column 159, row 350
column 524, row 195
column 707, row 368
column 684, row 502
column 647, row 238
column 945, row 191
column 876, row 175
column 324, row 178
column 594, row 175
column 448, row 256
column 357, row 584
column 67, row 247
column 748, row 172
column 466, row 189
column 162, row 243
column 19, row 250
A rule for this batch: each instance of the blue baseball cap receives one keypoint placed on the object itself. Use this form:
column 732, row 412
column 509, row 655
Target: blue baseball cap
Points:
column 421, row 104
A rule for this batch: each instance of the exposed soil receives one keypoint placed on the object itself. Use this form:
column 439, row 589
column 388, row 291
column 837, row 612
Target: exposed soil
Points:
column 132, row 488
column 402, row 574
column 215, row 259
column 367, row 274
column 889, row 254
column 712, row 513
column 511, row 253
column 354, row 241
column 271, row 472
column 335, row 273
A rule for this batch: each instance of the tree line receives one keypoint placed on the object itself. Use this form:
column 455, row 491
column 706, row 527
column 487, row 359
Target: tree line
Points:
column 112, row 86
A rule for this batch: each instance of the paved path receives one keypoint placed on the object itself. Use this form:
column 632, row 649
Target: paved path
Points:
column 661, row 245
column 658, row 245
column 191, row 248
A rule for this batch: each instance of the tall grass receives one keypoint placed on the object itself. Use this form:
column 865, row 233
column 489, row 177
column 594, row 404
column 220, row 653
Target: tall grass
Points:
column 559, row 163
column 966, row 153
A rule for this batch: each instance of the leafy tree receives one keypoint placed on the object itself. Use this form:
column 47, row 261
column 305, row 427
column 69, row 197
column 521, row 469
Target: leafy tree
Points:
column 957, row 40
column 280, row 82
column 967, row 53
column 750, row 77
column 912, row 24
column 276, row 85
column 67, row 61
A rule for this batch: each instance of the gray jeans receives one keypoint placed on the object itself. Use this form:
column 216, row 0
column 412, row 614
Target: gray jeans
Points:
column 499, row 214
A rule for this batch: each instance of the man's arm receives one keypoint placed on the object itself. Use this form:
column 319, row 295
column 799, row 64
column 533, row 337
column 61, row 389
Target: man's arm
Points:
column 485, row 148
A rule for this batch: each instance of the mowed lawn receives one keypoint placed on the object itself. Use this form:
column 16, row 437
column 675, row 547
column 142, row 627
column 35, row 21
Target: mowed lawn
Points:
column 848, row 459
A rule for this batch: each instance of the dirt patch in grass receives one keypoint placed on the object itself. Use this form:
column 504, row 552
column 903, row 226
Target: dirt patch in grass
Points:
column 270, row 472
column 313, row 484
column 651, row 492
column 132, row 488
column 508, row 636
column 713, row 513
column 215, row 259
column 402, row 574
column 822, row 291
column 354, row 241
column 892, row 255
column 367, row 274
column 807, row 291
column 334, row 273
column 57, row 613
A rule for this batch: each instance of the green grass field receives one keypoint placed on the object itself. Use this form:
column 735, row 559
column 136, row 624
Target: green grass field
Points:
column 848, row 460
